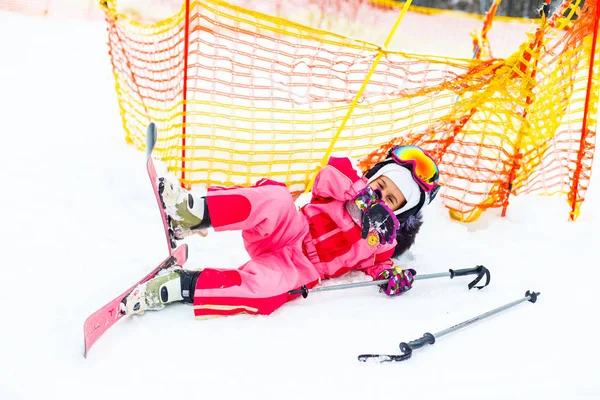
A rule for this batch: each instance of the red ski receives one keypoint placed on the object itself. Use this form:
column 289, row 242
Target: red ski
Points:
column 150, row 142
column 100, row 321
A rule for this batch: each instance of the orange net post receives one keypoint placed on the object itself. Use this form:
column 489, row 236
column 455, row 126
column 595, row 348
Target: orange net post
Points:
column 481, row 43
column 239, row 95
column 581, row 175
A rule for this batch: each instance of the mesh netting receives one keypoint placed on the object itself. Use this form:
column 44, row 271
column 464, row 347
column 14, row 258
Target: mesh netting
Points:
column 523, row 125
column 239, row 95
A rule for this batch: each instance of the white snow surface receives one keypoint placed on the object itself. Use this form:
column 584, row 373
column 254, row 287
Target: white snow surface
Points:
column 80, row 225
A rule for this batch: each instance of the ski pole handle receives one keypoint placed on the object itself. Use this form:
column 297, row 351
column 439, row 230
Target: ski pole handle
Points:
column 479, row 270
column 464, row 271
column 427, row 338
column 407, row 348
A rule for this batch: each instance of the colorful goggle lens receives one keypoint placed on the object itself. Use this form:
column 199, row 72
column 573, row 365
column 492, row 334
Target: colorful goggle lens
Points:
column 422, row 166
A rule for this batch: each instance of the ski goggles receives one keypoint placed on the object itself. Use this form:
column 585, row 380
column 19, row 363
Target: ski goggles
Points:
column 424, row 170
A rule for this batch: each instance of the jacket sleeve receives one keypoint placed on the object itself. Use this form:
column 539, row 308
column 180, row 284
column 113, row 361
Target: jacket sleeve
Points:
column 337, row 180
column 378, row 268
column 382, row 262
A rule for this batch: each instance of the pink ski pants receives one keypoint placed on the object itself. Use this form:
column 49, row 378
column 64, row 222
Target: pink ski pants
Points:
column 273, row 230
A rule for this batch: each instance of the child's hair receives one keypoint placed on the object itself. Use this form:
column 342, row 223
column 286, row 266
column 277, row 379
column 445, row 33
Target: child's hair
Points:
column 406, row 233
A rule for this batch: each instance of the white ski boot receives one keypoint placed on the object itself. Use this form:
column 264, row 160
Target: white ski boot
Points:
column 185, row 214
column 154, row 294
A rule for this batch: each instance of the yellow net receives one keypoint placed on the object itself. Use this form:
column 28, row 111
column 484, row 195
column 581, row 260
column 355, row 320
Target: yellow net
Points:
column 239, row 95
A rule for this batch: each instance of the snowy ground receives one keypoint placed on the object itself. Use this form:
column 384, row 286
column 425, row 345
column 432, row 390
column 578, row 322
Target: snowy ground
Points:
column 81, row 224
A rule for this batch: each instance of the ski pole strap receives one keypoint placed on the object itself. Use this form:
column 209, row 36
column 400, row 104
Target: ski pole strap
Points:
column 480, row 270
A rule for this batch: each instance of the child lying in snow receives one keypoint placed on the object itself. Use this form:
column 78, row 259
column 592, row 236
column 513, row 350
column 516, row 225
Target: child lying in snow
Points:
column 351, row 222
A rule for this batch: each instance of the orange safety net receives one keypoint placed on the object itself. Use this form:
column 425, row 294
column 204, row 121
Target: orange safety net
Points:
column 239, row 95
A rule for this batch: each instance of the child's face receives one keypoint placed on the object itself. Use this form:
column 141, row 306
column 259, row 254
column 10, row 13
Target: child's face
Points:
column 391, row 195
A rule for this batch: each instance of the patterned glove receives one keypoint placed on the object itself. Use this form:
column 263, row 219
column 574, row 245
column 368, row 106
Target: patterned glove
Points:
column 367, row 197
column 382, row 219
column 399, row 281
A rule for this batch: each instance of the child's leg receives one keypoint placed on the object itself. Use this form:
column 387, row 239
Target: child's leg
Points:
column 265, row 213
column 170, row 285
column 273, row 230
column 259, row 287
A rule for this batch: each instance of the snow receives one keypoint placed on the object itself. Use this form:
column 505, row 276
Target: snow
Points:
column 81, row 225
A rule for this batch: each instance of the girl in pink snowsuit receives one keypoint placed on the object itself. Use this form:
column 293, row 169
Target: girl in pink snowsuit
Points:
column 291, row 248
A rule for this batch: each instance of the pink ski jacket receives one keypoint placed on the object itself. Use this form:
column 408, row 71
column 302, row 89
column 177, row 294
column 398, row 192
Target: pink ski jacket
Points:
column 334, row 243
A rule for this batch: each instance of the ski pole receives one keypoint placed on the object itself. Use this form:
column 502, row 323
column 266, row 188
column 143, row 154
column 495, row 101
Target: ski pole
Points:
column 479, row 270
column 428, row 338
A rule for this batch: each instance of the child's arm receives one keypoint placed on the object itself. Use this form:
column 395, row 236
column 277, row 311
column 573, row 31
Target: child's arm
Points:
column 337, row 180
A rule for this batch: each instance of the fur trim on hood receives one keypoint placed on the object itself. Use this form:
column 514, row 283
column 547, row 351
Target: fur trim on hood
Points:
column 405, row 236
